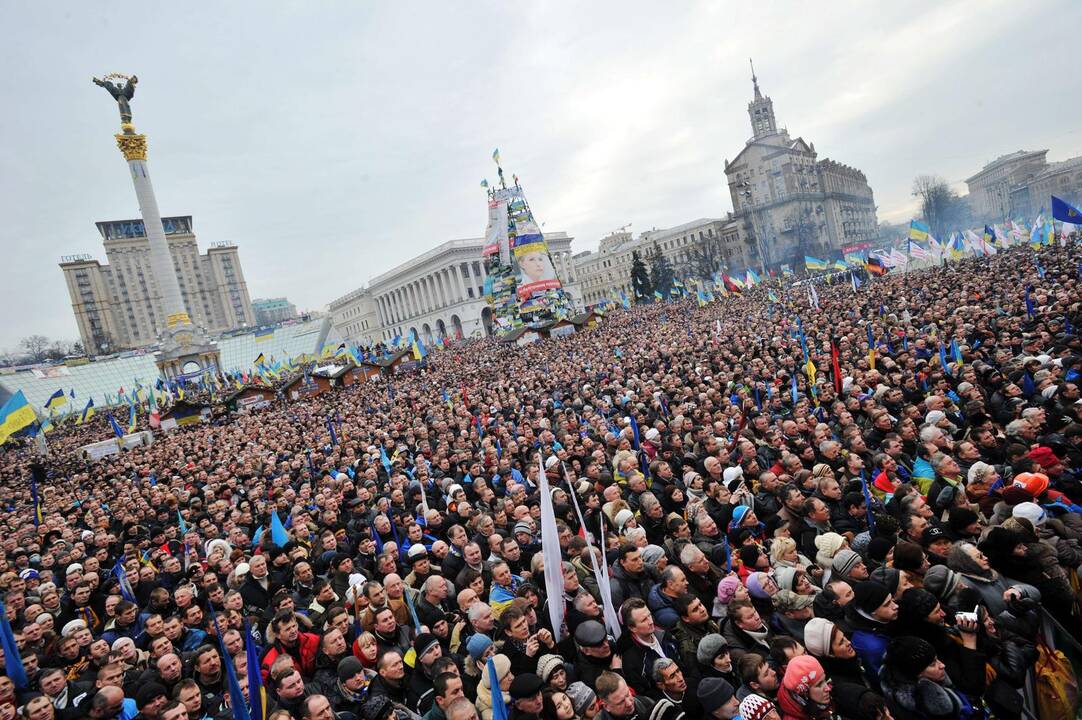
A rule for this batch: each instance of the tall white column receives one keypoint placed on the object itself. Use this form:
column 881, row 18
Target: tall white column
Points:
column 442, row 286
column 161, row 260
column 461, row 282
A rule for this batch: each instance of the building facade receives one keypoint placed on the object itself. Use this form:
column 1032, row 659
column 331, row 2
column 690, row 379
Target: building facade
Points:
column 438, row 294
column 118, row 305
column 715, row 242
column 788, row 202
column 1020, row 185
column 269, row 311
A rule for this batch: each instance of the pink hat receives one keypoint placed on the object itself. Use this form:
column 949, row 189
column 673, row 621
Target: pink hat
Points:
column 727, row 588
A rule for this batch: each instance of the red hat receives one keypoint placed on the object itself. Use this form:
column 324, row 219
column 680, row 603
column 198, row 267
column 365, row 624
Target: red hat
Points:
column 1044, row 456
column 801, row 673
column 1033, row 483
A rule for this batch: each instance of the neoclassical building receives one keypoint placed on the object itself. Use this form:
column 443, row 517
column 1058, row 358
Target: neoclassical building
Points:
column 790, row 203
column 1020, row 184
column 438, row 294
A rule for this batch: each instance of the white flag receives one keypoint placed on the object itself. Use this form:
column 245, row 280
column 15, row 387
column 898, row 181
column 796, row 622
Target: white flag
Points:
column 813, row 296
column 550, row 550
column 601, row 575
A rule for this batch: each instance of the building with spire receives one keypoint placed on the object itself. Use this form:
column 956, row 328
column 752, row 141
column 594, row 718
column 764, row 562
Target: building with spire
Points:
column 790, row 203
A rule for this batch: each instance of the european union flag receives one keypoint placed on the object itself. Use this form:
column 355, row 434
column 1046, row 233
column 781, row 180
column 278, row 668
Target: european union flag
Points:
column 1065, row 212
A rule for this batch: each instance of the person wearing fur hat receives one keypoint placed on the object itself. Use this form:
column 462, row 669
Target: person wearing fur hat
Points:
column 829, row 644
column 916, row 685
column 869, row 614
column 805, row 692
column 827, row 546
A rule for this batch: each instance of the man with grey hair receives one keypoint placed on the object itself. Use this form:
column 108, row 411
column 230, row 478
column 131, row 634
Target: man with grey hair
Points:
column 432, row 604
column 948, row 474
column 674, row 583
column 675, row 700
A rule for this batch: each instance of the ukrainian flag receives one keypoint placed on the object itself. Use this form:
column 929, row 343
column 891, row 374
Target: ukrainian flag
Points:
column 812, row 263
column 259, row 360
column 57, row 399
column 132, row 423
column 771, row 296
column 264, row 335
column 419, row 351
column 15, row 415
column 658, row 296
column 88, row 412
column 115, row 425
column 840, row 265
column 918, row 230
column 753, row 278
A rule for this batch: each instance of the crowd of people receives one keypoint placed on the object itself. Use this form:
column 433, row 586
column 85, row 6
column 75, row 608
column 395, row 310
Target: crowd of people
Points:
column 858, row 505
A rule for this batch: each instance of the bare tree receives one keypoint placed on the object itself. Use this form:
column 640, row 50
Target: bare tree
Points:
column 940, row 206
column 35, row 346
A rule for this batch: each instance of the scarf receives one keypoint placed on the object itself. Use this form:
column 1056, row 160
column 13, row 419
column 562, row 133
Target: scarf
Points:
column 357, row 697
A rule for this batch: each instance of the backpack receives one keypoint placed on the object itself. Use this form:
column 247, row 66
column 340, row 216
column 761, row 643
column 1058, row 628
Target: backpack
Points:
column 1057, row 685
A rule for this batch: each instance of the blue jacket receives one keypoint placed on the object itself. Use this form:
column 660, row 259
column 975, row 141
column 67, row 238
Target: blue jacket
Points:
column 871, row 646
column 661, row 605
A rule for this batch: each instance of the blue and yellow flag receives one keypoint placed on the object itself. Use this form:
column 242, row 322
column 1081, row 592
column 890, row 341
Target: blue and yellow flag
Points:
column 918, row 230
column 419, row 351
column 87, row 414
column 15, row 415
column 57, row 399
column 496, row 156
column 259, row 360
column 812, row 263
column 119, row 431
column 264, row 335
column 132, row 422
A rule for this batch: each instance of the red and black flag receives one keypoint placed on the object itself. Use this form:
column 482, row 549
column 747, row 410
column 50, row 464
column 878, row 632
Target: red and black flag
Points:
column 835, row 365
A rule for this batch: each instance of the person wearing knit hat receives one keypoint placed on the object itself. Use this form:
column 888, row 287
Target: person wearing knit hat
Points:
column 622, row 519
column 1030, row 511
column 729, row 588
column 550, row 668
column 919, row 606
column 826, row 641
column 710, row 647
column 1045, row 457
column 871, row 609
column 848, row 566
column 484, row 692
column 477, row 645
column 827, row 545
column 878, row 549
column 352, row 687
column 817, row 636
column 805, row 689
column 717, row 698
column 894, row 580
column 757, row 707
column 941, row 581
column 913, row 681
column 583, row 699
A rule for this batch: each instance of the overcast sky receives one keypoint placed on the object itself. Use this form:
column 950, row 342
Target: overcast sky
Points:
column 332, row 141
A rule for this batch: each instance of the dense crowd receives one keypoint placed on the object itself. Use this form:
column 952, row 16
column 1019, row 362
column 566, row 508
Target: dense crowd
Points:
column 756, row 517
